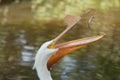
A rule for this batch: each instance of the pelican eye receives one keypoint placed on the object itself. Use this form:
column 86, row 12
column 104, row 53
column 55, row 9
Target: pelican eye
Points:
column 51, row 46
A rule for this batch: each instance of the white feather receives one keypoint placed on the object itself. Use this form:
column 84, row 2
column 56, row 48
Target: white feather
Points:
column 41, row 58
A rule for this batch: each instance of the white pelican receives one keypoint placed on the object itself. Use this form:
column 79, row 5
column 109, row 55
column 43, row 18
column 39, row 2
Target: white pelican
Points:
column 50, row 52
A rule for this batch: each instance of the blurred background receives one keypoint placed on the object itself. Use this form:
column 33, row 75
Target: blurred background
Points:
column 26, row 24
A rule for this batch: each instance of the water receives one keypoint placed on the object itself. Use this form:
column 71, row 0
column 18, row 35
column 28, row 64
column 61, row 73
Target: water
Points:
column 100, row 61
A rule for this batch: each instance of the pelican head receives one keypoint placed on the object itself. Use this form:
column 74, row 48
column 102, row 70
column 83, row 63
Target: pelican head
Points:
column 51, row 52
column 41, row 59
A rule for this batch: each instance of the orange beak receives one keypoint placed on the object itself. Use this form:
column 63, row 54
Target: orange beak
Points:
column 67, row 47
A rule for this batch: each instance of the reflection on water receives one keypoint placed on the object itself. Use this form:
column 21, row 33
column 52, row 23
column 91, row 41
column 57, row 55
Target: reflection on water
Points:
column 27, row 55
column 99, row 61
column 16, row 57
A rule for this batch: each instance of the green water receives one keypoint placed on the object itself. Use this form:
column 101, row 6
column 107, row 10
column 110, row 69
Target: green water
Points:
column 99, row 61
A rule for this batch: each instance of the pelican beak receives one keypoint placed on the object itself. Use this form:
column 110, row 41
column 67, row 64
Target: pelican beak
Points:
column 70, row 46
column 67, row 47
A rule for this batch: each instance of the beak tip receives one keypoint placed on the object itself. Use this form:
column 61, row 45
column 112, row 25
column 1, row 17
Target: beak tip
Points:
column 102, row 33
